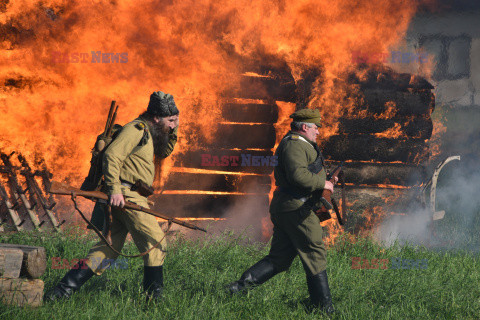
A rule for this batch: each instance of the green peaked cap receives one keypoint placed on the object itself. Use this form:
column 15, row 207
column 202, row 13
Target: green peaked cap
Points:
column 307, row 115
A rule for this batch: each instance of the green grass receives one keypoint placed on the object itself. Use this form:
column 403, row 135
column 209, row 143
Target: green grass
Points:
column 197, row 270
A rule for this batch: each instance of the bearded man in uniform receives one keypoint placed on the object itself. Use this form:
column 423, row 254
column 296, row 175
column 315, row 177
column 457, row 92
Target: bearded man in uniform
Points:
column 296, row 228
column 127, row 160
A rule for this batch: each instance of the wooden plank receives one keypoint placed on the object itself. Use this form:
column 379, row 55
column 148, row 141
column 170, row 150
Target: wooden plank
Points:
column 242, row 136
column 370, row 148
column 405, row 103
column 34, row 259
column 10, row 262
column 236, row 136
column 258, row 113
column 218, row 182
column 409, row 127
column 21, row 292
column 206, row 205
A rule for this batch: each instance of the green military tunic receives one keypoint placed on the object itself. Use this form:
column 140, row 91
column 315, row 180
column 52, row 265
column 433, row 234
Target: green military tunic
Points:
column 297, row 230
column 130, row 157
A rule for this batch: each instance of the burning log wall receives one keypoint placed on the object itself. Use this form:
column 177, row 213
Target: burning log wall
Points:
column 236, row 166
column 383, row 140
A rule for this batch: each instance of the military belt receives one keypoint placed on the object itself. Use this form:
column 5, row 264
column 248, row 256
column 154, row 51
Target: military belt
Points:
column 139, row 187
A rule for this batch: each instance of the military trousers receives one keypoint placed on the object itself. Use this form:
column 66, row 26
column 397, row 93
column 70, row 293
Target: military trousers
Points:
column 145, row 231
column 299, row 233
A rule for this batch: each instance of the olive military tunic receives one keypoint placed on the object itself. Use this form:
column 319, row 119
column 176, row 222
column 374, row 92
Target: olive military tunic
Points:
column 296, row 229
column 130, row 157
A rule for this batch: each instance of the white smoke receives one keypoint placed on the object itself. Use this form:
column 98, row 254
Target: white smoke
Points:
column 457, row 194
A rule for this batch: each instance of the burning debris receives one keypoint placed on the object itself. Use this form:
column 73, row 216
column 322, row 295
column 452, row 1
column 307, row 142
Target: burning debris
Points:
column 24, row 204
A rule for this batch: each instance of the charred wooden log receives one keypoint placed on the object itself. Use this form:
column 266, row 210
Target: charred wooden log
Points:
column 258, row 113
column 411, row 127
column 385, row 78
column 364, row 204
column 361, row 173
column 399, row 103
column 370, row 148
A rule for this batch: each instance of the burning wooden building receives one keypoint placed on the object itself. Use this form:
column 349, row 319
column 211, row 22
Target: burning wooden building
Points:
column 382, row 138
column 236, row 73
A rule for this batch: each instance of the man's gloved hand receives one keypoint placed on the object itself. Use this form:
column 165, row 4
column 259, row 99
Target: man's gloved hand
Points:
column 117, row 200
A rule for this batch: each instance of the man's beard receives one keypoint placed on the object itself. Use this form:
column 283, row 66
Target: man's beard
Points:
column 159, row 133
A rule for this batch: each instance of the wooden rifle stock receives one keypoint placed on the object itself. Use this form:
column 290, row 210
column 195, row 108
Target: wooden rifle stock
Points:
column 64, row 189
column 327, row 194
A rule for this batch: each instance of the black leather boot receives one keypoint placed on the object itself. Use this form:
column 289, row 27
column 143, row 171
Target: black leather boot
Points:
column 153, row 282
column 254, row 276
column 320, row 292
column 70, row 283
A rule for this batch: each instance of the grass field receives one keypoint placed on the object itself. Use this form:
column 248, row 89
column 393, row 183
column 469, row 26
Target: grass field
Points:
column 197, row 270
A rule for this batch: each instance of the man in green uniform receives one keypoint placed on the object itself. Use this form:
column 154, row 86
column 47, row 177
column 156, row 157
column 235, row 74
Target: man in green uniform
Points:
column 128, row 159
column 296, row 229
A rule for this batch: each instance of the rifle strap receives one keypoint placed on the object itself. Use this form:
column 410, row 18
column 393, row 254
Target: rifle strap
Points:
column 344, row 200
column 99, row 233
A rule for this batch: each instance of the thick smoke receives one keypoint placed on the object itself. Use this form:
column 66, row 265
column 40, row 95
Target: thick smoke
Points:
column 248, row 217
column 457, row 195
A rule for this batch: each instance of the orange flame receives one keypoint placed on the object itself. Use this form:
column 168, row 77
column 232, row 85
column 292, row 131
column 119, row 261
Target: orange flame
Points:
column 394, row 132
column 196, row 50
column 192, row 49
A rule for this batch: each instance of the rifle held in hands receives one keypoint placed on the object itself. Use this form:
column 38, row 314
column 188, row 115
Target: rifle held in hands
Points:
column 326, row 200
column 64, row 189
